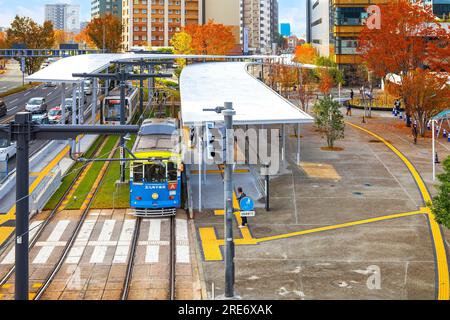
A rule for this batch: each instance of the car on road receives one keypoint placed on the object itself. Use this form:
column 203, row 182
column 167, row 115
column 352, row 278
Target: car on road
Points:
column 7, row 149
column 49, row 84
column 87, row 87
column 3, row 108
column 40, row 118
column 36, row 105
column 55, row 115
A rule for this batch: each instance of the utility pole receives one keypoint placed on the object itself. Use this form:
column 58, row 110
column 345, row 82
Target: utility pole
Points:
column 228, row 113
column 22, row 121
column 122, row 85
column 23, row 130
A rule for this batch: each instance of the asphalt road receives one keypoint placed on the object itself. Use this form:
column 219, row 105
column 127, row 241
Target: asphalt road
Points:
column 16, row 102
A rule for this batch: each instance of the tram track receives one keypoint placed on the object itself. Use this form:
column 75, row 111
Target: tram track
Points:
column 171, row 294
column 73, row 237
column 59, row 207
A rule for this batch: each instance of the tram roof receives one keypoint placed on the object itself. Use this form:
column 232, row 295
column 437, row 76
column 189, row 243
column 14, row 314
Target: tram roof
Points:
column 61, row 71
column 208, row 85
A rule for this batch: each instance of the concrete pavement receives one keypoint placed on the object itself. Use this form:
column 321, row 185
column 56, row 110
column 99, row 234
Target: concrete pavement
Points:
column 388, row 258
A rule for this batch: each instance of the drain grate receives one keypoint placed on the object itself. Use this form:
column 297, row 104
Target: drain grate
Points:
column 367, row 184
column 357, row 193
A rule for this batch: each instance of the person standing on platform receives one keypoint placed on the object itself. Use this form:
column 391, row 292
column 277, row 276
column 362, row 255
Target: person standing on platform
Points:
column 242, row 195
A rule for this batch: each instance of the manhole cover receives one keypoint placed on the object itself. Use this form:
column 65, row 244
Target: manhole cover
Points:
column 357, row 193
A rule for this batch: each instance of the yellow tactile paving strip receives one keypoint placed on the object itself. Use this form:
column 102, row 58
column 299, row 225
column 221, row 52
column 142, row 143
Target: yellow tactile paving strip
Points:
column 211, row 245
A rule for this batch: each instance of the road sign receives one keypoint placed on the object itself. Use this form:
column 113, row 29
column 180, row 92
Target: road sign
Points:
column 248, row 213
column 246, row 204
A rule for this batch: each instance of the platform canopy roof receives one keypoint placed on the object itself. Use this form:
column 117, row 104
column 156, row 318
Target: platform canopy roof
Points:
column 61, row 71
column 442, row 115
column 208, row 85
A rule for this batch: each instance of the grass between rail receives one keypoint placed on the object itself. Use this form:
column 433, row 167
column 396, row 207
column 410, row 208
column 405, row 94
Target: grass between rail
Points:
column 67, row 180
column 86, row 184
column 112, row 195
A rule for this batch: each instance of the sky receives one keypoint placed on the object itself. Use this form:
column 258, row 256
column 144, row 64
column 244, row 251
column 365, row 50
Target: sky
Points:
column 292, row 11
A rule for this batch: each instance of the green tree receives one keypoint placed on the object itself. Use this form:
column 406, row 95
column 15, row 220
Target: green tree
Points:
column 329, row 120
column 441, row 203
column 24, row 30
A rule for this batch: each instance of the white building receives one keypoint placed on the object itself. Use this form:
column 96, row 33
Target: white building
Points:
column 320, row 26
column 63, row 16
column 260, row 19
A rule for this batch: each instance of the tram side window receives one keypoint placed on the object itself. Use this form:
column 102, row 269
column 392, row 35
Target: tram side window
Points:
column 172, row 172
column 155, row 173
column 138, row 172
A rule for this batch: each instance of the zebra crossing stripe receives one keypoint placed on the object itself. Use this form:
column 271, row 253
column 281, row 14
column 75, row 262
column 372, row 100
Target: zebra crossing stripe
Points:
column 52, row 241
column 126, row 236
column 105, row 235
column 10, row 257
column 154, row 234
column 81, row 241
column 182, row 240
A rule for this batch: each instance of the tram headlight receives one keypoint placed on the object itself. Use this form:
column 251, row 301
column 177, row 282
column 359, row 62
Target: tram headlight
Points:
column 155, row 196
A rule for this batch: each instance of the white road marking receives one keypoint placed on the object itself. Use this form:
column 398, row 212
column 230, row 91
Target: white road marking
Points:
column 13, row 108
column 10, row 257
column 126, row 236
column 105, row 235
column 154, row 234
column 27, row 93
column 12, row 101
column 81, row 241
column 182, row 240
column 52, row 241
column 49, row 94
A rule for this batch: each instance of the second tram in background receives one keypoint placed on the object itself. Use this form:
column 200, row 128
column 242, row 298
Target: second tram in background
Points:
column 111, row 105
column 155, row 176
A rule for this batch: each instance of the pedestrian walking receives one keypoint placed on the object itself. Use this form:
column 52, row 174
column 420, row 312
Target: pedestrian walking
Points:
column 242, row 195
column 352, row 94
column 415, row 132
column 349, row 109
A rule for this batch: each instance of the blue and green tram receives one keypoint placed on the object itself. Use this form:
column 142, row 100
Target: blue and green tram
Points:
column 155, row 181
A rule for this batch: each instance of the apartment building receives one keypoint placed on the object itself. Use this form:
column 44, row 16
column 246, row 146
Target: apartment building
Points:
column 259, row 24
column 102, row 7
column 334, row 27
column 63, row 16
column 154, row 22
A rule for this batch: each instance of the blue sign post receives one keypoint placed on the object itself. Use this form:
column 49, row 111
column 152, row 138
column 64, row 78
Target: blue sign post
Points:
column 247, row 207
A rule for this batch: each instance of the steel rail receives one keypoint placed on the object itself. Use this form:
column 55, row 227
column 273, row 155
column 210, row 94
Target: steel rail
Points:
column 72, row 239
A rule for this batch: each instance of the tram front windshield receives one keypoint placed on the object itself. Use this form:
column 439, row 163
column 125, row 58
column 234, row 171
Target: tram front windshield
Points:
column 112, row 112
column 154, row 172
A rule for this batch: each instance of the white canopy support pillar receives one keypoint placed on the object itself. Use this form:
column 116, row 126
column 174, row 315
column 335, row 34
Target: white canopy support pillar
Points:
column 200, row 163
column 283, row 151
column 298, row 144
column 74, row 112
column 81, row 93
column 433, row 149
column 94, row 99
column 63, row 104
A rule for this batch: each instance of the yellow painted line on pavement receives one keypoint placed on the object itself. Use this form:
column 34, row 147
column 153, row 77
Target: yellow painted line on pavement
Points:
column 209, row 242
column 5, row 232
column 340, row 226
column 438, row 241
column 6, row 286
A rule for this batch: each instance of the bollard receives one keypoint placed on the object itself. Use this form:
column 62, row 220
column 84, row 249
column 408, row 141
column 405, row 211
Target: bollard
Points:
column 444, row 134
column 401, row 115
column 448, row 138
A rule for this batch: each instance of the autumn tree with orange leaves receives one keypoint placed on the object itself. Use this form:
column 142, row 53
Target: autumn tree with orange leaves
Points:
column 407, row 41
column 210, row 38
column 106, row 31
column 305, row 54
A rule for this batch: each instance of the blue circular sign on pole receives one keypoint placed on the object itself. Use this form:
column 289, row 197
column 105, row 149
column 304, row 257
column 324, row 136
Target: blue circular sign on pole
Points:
column 247, row 204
